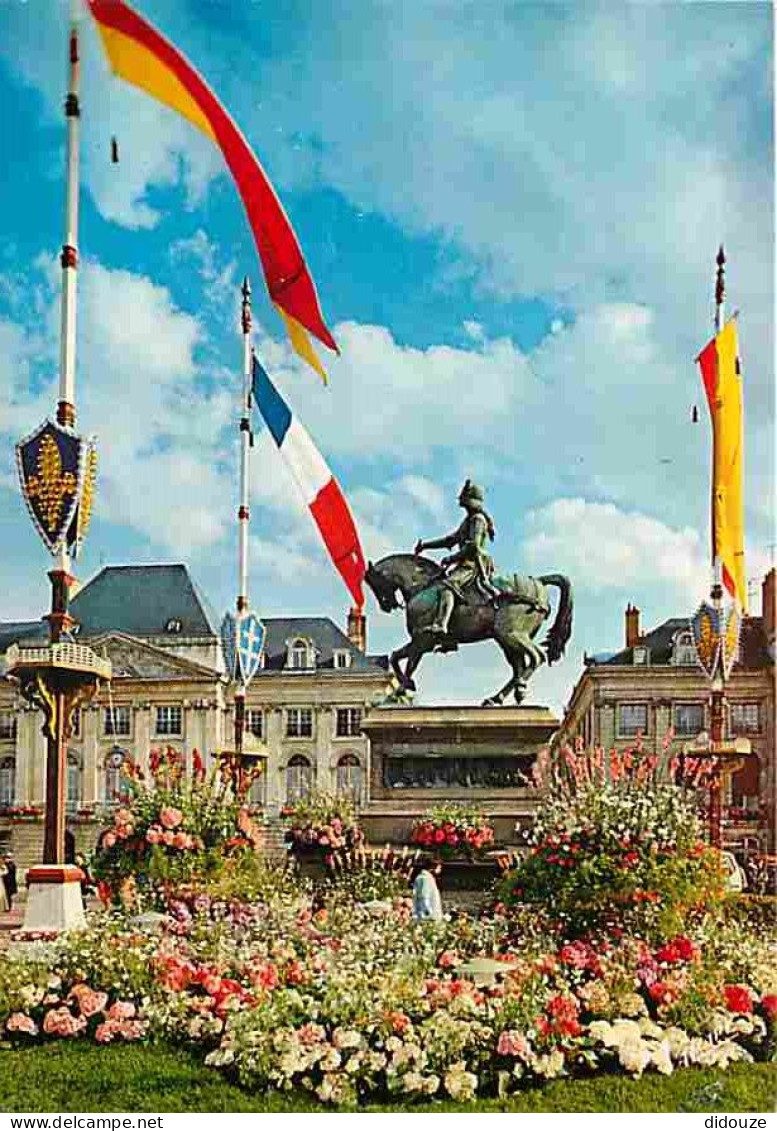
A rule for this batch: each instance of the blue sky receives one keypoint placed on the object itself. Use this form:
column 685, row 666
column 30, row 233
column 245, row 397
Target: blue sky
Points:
column 511, row 212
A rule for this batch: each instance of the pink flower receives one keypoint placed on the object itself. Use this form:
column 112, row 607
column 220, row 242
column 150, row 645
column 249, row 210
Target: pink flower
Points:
column 170, row 818
column 105, row 1032
column 154, row 835
column 181, row 840
column 61, row 1023
column 168, row 838
column 447, row 959
column 512, row 1043
column 21, row 1023
column 123, row 816
column 122, row 1011
column 91, row 1002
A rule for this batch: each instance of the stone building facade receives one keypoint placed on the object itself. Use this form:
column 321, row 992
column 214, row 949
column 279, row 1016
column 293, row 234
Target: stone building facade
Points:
column 654, row 686
column 304, row 707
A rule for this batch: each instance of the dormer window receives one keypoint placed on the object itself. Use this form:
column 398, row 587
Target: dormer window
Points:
column 684, row 649
column 301, row 654
column 641, row 655
column 173, row 626
column 342, row 658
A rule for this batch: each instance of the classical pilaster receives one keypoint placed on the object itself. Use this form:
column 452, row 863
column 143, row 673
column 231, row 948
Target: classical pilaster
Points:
column 142, row 733
column 93, row 787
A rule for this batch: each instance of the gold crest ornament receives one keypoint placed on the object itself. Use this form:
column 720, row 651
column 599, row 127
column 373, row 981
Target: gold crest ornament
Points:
column 51, row 465
column 730, row 640
column 705, row 625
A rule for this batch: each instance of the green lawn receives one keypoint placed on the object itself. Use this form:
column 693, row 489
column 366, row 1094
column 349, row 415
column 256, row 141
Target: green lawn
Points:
column 84, row 1078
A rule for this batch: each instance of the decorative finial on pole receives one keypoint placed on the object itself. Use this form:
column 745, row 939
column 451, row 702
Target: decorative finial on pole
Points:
column 720, row 288
column 246, row 308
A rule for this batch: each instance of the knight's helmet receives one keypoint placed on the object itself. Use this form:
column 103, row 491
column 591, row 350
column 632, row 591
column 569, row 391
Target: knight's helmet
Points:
column 471, row 493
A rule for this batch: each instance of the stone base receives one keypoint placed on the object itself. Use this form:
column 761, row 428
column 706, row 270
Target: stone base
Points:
column 54, row 900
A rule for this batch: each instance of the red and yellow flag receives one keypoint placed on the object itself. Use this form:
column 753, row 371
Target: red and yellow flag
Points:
column 720, row 370
column 143, row 57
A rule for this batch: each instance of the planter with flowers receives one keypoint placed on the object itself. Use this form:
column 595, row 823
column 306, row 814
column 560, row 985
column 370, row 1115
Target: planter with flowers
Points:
column 176, row 829
column 320, row 825
column 617, row 844
column 453, row 832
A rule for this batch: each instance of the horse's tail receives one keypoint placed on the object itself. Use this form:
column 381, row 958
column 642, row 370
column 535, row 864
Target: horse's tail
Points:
column 561, row 629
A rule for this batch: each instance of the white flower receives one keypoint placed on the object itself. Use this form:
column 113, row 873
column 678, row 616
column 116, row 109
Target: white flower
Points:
column 634, row 1056
column 460, row 1084
column 661, row 1058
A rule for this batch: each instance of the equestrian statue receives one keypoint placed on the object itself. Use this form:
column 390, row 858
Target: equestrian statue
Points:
column 462, row 601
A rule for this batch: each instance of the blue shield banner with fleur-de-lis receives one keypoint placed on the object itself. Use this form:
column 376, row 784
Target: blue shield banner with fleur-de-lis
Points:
column 229, row 644
column 51, row 464
column 250, row 644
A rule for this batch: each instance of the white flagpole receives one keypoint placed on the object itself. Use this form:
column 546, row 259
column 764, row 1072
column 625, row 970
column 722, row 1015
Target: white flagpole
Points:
column 244, row 512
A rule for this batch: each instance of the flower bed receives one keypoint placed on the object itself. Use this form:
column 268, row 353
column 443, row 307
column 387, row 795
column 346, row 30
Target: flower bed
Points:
column 453, row 830
column 284, row 993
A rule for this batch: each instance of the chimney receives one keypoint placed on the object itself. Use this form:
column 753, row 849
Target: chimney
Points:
column 632, row 626
column 357, row 628
column 768, row 606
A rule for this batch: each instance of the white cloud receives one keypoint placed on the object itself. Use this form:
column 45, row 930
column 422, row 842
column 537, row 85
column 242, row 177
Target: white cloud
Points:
column 604, row 547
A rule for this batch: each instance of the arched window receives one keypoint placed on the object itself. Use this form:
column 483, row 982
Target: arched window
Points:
column 300, row 655
column 299, row 779
column 349, row 776
column 7, row 783
column 115, row 783
column 73, row 783
column 684, row 649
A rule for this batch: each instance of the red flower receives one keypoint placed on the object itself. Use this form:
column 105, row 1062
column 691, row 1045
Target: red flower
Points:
column 738, row 999
column 439, row 836
column 662, row 993
column 769, row 1006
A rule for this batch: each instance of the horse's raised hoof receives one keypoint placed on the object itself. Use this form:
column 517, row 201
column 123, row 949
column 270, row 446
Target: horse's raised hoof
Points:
column 409, row 685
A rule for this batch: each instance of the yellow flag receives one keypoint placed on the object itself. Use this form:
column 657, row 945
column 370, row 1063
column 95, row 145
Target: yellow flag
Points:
column 720, row 370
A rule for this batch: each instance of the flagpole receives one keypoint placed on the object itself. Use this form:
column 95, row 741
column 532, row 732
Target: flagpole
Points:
column 718, row 692
column 244, row 513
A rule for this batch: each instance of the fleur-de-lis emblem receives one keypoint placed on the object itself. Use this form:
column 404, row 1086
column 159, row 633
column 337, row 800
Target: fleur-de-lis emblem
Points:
column 51, row 471
column 51, row 486
column 706, row 636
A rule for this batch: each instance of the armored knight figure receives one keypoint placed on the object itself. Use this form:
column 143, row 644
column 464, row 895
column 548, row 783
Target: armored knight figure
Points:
column 471, row 567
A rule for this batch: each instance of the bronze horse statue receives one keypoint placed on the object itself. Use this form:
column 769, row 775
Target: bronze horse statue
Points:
column 512, row 620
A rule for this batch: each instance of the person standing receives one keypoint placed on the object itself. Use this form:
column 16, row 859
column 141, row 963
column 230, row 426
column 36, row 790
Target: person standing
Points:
column 427, row 903
column 9, row 880
column 4, row 904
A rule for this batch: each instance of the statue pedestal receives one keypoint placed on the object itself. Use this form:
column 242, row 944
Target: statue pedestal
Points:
column 54, row 900
column 421, row 756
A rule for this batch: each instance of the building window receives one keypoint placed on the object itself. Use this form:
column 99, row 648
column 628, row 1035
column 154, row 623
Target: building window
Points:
column 632, row 719
column 299, row 722
column 7, row 724
column 746, row 718
column 173, row 626
column 684, row 650
column 255, row 722
column 169, row 720
column 300, row 654
column 640, row 656
column 75, row 723
column 688, row 719
column 7, row 783
column 342, row 658
column 349, row 776
column 349, row 722
column 299, row 779
column 73, row 800
column 117, row 721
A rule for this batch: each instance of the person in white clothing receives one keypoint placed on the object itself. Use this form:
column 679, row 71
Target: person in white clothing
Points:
column 427, row 903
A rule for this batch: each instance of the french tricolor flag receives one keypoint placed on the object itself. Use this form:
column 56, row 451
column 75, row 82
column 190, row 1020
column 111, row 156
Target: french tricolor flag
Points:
column 319, row 488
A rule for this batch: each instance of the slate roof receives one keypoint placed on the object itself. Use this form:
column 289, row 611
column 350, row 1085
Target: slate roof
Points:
column 140, row 601
column 753, row 650
column 327, row 637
